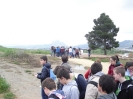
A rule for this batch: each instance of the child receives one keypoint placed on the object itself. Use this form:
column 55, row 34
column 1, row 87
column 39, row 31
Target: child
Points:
column 115, row 62
column 44, row 73
column 106, row 87
column 49, row 88
column 124, row 88
column 129, row 69
column 92, row 90
column 70, row 86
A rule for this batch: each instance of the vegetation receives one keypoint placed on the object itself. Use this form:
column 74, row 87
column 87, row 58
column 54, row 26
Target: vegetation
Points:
column 9, row 95
column 103, row 34
column 109, row 52
column 21, row 56
column 5, row 88
column 38, row 51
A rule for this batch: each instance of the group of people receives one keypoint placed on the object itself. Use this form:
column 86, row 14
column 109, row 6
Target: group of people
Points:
column 117, row 84
column 71, row 52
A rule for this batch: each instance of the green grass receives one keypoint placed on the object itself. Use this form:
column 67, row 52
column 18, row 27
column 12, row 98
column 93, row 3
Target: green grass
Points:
column 28, row 71
column 38, row 51
column 4, row 86
column 5, row 89
column 9, row 95
column 102, row 59
column 101, row 52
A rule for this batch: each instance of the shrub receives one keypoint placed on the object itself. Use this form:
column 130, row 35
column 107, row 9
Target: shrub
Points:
column 4, row 86
column 9, row 95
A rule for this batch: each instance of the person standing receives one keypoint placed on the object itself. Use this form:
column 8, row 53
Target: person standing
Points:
column 89, row 52
column 44, row 73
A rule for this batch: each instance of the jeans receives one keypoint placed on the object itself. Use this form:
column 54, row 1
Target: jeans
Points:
column 44, row 96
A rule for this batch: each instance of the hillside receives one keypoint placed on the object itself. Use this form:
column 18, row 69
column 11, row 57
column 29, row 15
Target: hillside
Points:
column 126, row 43
column 123, row 44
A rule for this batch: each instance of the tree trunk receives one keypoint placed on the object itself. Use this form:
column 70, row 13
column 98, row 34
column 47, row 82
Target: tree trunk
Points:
column 105, row 51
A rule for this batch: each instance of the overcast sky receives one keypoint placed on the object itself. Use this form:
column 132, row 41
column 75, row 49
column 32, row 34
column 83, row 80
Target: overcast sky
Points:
column 24, row 22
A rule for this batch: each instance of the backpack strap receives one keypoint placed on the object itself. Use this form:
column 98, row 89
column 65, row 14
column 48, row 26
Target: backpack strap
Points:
column 48, row 71
column 93, row 83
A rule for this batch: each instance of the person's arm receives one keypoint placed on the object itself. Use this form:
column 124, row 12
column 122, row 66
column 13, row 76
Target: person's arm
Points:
column 91, row 92
column 109, row 70
column 43, row 74
column 87, row 74
column 74, row 93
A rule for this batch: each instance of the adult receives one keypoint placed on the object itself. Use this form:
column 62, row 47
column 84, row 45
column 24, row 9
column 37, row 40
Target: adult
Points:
column 70, row 51
column 89, row 52
column 52, row 50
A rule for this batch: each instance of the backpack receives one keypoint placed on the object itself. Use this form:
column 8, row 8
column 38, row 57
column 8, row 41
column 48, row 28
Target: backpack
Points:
column 51, row 73
column 94, row 83
column 82, row 83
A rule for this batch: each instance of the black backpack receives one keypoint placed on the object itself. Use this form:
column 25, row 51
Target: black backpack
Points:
column 94, row 83
column 82, row 83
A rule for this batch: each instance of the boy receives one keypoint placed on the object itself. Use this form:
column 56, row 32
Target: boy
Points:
column 129, row 69
column 124, row 88
column 106, row 87
column 49, row 88
column 44, row 73
column 70, row 86
column 92, row 90
column 65, row 63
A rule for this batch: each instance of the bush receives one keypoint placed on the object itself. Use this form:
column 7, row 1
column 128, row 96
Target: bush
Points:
column 4, row 86
column 9, row 95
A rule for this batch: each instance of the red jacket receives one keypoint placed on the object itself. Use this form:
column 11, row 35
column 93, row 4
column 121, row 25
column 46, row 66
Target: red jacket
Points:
column 87, row 73
column 111, row 67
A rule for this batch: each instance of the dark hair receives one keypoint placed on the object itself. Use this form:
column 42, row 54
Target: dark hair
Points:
column 96, row 67
column 115, row 58
column 56, row 70
column 107, row 83
column 44, row 58
column 49, row 83
column 121, row 70
column 64, row 58
column 128, row 64
column 63, row 72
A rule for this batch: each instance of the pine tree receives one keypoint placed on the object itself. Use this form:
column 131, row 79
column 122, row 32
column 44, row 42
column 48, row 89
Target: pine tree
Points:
column 103, row 34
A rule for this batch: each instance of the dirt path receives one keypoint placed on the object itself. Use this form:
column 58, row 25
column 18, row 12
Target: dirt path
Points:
column 86, row 62
column 23, row 85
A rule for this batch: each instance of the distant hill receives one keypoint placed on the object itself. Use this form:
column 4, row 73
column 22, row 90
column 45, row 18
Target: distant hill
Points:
column 123, row 44
column 126, row 44
column 82, row 46
column 46, row 46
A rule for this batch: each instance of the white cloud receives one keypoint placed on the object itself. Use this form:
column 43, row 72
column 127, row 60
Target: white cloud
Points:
column 39, row 22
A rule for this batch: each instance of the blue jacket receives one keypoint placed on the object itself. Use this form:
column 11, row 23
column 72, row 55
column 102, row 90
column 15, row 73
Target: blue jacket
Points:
column 44, row 73
column 57, row 49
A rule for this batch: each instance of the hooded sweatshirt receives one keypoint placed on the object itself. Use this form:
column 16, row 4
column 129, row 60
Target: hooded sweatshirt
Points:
column 91, row 90
column 44, row 73
column 71, row 90
column 108, row 96
column 58, row 94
